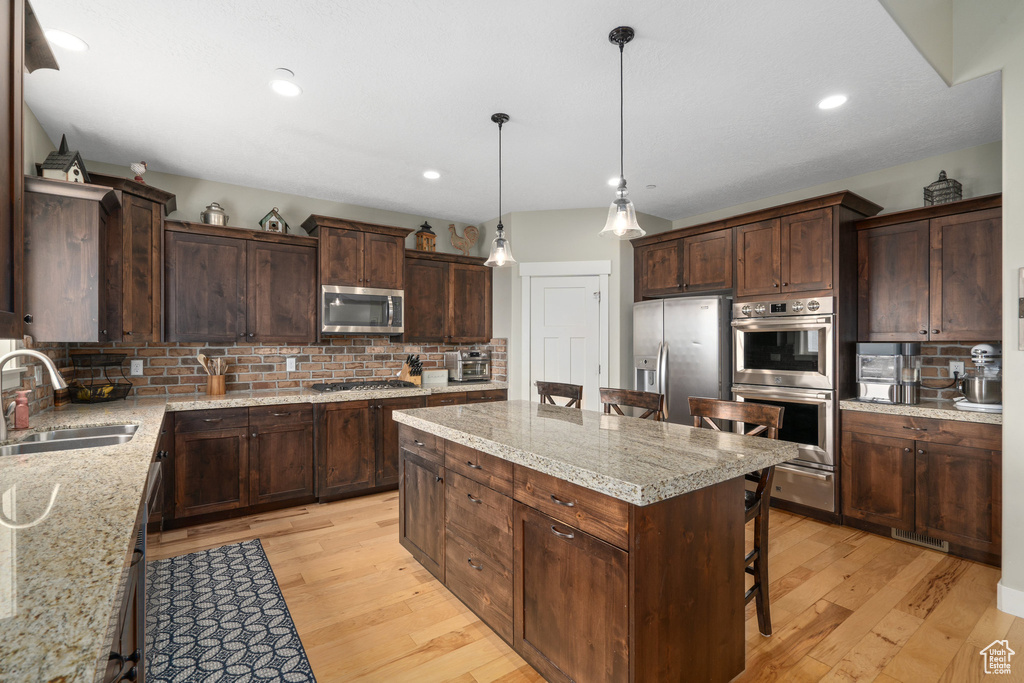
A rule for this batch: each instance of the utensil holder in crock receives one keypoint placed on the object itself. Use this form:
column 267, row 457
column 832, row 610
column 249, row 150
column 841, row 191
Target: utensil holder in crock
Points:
column 215, row 385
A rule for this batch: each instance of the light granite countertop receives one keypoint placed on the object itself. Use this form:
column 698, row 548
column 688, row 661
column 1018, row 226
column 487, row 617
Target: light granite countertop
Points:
column 934, row 409
column 67, row 521
column 638, row 461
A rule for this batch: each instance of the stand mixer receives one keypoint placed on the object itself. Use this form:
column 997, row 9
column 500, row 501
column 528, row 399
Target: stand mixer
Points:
column 982, row 386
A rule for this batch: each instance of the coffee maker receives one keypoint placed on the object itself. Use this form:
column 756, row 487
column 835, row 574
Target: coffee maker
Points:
column 982, row 386
column 889, row 372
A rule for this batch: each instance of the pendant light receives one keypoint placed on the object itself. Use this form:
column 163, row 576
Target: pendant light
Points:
column 622, row 214
column 501, row 250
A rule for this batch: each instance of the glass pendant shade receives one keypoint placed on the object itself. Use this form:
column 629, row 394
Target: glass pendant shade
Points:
column 501, row 251
column 621, row 221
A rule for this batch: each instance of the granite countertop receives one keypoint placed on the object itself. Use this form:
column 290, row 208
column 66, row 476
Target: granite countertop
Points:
column 932, row 408
column 638, row 461
column 67, row 522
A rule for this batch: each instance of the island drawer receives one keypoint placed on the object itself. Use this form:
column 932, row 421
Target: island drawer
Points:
column 481, row 516
column 481, row 583
column 422, row 443
column 273, row 416
column 953, row 432
column 207, row 420
column 486, row 395
column 595, row 513
column 480, row 467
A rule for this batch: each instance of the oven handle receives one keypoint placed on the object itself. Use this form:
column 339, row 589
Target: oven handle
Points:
column 773, row 323
column 781, row 394
column 805, row 473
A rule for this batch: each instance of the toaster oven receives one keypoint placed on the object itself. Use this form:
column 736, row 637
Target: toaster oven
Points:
column 470, row 365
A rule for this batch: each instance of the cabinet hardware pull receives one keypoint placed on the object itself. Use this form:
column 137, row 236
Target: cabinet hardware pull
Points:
column 556, row 501
column 935, row 331
column 28, row 319
column 906, row 450
column 241, row 334
column 135, row 560
column 922, row 331
column 475, row 500
column 920, row 451
column 558, row 533
column 475, row 467
column 128, row 671
column 252, row 334
column 775, row 284
column 437, row 478
column 280, row 414
column 127, row 333
column 213, row 419
column 916, row 429
column 254, row 435
column 478, row 567
column 418, row 443
column 785, row 284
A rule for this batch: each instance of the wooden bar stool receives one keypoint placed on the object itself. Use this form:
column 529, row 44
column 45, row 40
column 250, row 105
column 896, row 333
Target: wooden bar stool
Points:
column 653, row 403
column 549, row 390
column 757, row 502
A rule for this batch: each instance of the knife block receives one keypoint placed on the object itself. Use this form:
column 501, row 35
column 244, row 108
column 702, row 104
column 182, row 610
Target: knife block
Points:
column 405, row 376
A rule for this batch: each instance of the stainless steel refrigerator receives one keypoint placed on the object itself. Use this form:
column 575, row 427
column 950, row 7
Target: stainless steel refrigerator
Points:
column 681, row 348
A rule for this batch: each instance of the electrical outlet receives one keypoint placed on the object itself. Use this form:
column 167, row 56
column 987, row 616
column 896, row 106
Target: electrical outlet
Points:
column 956, row 368
column 136, row 370
column 289, row 364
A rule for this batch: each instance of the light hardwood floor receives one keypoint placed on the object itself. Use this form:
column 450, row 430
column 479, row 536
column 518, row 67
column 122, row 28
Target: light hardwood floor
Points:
column 846, row 605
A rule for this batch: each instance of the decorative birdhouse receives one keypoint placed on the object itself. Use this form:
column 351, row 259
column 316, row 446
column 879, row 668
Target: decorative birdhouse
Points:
column 273, row 222
column 943, row 190
column 64, row 164
column 426, row 240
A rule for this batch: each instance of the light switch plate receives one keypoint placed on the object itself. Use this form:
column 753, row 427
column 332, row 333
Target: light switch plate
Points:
column 136, row 370
column 956, row 368
column 289, row 364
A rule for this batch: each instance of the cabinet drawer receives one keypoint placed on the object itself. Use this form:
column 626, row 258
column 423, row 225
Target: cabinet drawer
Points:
column 481, row 583
column 486, row 396
column 421, row 443
column 205, row 420
column 602, row 516
column 481, row 516
column 953, row 432
column 276, row 416
column 478, row 466
column 449, row 399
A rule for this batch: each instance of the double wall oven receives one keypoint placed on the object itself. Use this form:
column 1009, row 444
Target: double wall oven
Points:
column 784, row 355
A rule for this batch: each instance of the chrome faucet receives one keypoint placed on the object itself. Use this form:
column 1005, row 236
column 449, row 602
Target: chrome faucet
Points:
column 55, row 377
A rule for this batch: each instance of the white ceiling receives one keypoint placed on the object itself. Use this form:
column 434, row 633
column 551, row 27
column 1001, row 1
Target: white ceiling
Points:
column 720, row 98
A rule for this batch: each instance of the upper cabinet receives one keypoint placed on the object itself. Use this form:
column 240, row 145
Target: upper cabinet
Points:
column 356, row 254
column 447, row 298
column 224, row 285
column 786, row 249
column 941, row 265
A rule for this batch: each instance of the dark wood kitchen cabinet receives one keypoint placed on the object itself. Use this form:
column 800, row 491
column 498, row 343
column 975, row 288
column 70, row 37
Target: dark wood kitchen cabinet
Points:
column 355, row 254
column 940, row 478
column 135, row 253
column 421, row 509
column 211, row 461
column 660, row 268
column 387, row 437
column 788, row 254
column 281, row 455
column 225, row 285
column 448, row 299
column 758, row 258
column 941, row 265
column 708, row 261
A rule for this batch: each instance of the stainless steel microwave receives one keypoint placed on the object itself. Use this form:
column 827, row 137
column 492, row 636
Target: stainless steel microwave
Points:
column 345, row 310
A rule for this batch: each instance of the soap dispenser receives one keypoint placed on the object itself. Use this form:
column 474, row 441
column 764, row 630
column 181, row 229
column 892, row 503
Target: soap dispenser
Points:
column 21, row 409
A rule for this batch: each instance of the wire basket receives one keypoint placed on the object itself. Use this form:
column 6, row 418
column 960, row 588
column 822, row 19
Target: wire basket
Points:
column 94, row 381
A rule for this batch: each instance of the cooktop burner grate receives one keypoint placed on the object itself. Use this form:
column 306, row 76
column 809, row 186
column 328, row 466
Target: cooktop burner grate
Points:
column 364, row 385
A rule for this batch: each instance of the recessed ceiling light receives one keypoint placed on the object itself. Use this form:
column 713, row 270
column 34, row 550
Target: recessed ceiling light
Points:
column 65, row 40
column 431, row 175
column 614, row 182
column 283, row 84
column 832, row 101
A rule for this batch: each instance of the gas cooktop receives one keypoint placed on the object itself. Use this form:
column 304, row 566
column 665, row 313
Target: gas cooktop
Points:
column 364, row 385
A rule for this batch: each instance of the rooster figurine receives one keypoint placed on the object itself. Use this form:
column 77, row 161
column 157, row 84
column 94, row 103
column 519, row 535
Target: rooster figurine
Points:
column 465, row 241
column 138, row 168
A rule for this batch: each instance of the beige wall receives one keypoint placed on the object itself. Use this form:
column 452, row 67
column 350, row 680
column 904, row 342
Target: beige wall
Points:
column 37, row 143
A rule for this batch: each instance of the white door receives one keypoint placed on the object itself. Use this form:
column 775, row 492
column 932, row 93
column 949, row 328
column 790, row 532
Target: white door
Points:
column 565, row 334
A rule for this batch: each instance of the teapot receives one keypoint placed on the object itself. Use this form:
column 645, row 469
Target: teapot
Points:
column 214, row 215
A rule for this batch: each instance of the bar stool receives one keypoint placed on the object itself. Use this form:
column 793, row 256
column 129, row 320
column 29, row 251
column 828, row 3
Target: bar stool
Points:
column 573, row 392
column 756, row 503
column 653, row 403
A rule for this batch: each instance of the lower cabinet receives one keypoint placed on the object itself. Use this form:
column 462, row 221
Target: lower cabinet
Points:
column 127, row 652
column 211, row 471
column 454, row 398
column 280, row 453
column 421, row 513
column 487, row 396
column 945, row 482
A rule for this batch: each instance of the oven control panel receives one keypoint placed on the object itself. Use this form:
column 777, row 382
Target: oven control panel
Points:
column 788, row 307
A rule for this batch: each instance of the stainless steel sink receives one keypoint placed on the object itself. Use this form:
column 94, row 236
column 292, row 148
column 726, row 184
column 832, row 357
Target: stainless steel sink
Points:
column 72, row 438
column 85, row 433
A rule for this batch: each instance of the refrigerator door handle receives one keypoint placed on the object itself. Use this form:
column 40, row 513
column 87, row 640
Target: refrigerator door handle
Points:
column 662, row 371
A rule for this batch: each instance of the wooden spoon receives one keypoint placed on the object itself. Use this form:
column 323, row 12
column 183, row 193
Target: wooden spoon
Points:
column 205, row 362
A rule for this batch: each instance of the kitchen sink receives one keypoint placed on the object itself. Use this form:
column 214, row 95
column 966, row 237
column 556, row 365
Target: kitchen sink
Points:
column 86, row 433
column 72, row 438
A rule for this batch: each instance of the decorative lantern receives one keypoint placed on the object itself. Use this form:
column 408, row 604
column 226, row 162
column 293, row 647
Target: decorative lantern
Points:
column 943, row 190
column 426, row 240
column 274, row 222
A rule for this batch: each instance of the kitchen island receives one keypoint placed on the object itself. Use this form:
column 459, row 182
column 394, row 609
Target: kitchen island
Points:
column 602, row 548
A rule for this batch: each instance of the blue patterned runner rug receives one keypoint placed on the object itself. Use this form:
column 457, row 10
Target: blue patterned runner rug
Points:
column 218, row 615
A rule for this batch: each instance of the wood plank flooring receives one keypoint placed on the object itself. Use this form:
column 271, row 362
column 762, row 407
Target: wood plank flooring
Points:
column 846, row 605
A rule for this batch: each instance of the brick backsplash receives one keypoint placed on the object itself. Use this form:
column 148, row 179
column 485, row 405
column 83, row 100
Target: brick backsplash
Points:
column 41, row 397
column 172, row 368
column 935, row 359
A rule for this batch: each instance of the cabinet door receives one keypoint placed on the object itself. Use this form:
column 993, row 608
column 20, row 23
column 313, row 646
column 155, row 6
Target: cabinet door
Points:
column 211, row 471
column 426, row 300
column 12, row 173
column 141, row 223
column 383, row 261
column 282, row 296
column 959, row 495
column 966, row 277
column 806, row 251
column 387, row 439
column 346, row 448
column 469, row 296
column 707, row 261
column 204, row 288
column 571, row 601
column 341, row 257
column 892, row 264
column 878, row 479
column 660, row 268
column 421, row 511
column 281, row 463
column 757, row 258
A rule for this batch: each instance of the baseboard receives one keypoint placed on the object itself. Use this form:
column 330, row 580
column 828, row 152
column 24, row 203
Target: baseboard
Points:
column 1010, row 600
